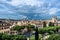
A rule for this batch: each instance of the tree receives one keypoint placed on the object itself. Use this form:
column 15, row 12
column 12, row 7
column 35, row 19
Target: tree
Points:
column 18, row 28
column 44, row 24
column 11, row 37
column 6, row 37
column 54, row 37
column 51, row 24
column 36, row 34
column 49, row 30
column 24, row 29
column 1, row 36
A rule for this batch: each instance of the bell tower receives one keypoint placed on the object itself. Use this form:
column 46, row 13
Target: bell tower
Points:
column 54, row 19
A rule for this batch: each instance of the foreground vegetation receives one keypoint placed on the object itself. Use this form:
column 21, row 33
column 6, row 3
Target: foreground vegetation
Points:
column 11, row 37
column 21, row 37
column 54, row 37
column 52, row 31
column 49, row 30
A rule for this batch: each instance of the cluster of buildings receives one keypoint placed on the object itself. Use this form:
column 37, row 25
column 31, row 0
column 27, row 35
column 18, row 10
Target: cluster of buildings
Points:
column 7, row 24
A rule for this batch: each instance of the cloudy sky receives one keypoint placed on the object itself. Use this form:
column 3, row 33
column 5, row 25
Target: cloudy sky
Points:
column 29, row 9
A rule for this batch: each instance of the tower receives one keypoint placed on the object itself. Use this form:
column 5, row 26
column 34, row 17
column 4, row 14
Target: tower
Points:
column 54, row 19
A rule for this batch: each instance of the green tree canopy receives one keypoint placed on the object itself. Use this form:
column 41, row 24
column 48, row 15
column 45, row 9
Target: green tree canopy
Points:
column 11, row 37
column 54, row 37
column 18, row 28
column 49, row 30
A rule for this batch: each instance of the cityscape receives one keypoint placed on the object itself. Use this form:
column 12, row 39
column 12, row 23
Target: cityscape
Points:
column 29, row 19
column 21, row 27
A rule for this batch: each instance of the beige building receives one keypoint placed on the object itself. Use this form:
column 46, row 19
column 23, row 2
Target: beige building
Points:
column 6, row 25
column 39, row 22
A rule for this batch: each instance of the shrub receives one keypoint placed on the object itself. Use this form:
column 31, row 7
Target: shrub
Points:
column 18, row 28
column 11, row 37
column 49, row 30
column 54, row 37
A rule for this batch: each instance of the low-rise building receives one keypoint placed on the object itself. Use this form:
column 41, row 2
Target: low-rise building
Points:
column 5, row 25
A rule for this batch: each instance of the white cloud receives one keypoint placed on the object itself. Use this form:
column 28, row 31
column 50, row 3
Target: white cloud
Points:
column 41, row 5
column 34, row 6
column 11, row 12
column 53, row 10
column 25, row 2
